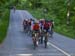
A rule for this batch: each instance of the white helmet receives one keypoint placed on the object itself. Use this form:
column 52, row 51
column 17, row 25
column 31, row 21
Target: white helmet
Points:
column 36, row 21
column 42, row 19
column 26, row 19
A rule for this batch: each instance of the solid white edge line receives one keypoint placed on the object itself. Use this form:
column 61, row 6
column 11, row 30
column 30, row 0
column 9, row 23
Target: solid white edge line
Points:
column 24, row 54
column 64, row 52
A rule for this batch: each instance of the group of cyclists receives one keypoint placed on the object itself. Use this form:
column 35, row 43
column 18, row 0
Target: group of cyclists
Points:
column 40, row 30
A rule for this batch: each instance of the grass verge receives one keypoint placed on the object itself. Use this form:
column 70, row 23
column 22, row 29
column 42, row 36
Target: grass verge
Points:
column 4, row 22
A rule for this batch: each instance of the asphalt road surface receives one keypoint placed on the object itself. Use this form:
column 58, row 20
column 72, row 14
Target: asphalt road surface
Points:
column 17, row 43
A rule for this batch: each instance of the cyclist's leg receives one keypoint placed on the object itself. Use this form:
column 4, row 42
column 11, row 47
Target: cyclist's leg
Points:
column 46, row 38
column 14, row 10
column 37, row 37
column 51, row 32
column 41, row 40
column 45, row 41
column 34, row 39
column 34, row 42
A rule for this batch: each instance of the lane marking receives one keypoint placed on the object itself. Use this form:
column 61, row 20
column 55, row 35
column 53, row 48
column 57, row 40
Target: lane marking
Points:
column 23, row 54
column 64, row 52
column 47, row 54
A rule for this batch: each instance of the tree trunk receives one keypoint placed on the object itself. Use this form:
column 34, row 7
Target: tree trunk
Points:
column 68, row 12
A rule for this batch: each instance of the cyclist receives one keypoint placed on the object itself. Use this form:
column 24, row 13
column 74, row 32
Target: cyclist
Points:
column 52, row 27
column 46, row 29
column 24, row 24
column 29, row 26
column 41, row 22
column 35, row 33
column 14, row 8
column 32, row 23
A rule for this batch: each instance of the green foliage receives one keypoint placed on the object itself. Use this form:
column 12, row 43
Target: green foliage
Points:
column 59, row 27
column 4, row 25
column 35, row 3
column 57, row 10
column 4, row 18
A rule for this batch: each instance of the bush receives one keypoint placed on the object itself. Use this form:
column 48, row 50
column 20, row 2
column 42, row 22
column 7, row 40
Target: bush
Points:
column 4, row 25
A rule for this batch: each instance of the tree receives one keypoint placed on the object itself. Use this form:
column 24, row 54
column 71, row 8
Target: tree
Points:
column 35, row 3
column 68, row 12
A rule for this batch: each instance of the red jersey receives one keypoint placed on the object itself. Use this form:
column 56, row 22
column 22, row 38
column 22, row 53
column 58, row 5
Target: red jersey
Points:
column 46, row 26
column 36, row 27
column 50, row 24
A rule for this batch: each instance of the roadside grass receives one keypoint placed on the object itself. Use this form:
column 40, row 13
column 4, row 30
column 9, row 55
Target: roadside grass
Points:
column 4, row 22
column 64, row 30
column 61, row 29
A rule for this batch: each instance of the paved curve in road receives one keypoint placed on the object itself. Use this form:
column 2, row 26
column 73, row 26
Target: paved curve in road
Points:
column 17, row 43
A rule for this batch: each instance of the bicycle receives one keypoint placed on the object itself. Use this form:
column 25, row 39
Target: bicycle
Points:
column 35, row 39
column 45, row 38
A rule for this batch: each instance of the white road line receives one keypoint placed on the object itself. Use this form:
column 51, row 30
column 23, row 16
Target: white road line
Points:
column 23, row 54
column 48, row 54
column 72, row 54
column 64, row 52
column 42, row 54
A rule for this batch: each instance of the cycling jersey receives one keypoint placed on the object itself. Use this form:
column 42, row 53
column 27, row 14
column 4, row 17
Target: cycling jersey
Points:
column 36, row 27
column 50, row 23
column 24, row 22
column 46, row 26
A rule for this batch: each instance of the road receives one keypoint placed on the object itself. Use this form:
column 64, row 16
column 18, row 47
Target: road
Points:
column 17, row 43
